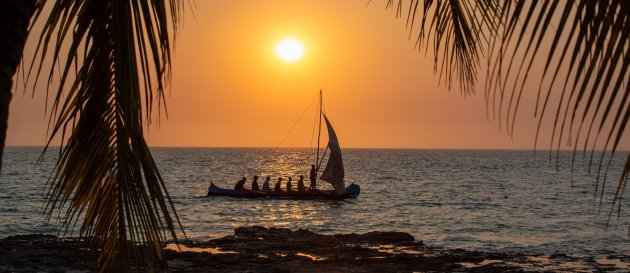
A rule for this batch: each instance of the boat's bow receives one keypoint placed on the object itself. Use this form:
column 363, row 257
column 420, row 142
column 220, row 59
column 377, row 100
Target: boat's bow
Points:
column 353, row 190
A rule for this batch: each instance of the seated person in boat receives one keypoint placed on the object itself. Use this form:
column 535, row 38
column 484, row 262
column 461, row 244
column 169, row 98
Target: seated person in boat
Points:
column 278, row 185
column 255, row 184
column 239, row 185
column 289, row 185
column 313, row 178
column 265, row 187
column 301, row 184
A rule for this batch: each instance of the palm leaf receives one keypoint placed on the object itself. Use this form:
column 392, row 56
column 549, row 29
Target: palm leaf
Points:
column 115, row 67
column 585, row 42
column 593, row 100
column 460, row 31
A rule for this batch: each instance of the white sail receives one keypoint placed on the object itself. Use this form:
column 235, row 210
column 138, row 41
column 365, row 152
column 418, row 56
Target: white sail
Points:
column 334, row 173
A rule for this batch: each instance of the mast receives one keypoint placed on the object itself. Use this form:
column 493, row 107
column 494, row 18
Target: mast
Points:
column 319, row 131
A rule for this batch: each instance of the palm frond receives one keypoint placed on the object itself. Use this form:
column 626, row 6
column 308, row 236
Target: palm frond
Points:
column 585, row 73
column 459, row 31
column 582, row 47
column 116, row 64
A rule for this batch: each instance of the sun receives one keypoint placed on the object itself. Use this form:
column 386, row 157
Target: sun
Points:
column 289, row 50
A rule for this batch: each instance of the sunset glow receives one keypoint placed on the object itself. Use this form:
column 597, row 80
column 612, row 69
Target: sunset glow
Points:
column 314, row 136
column 244, row 73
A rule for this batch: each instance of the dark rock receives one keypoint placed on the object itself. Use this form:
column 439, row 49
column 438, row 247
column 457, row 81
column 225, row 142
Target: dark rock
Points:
column 467, row 256
column 250, row 231
column 496, row 268
column 499, row 256
column 261, row 249
column 305, row 233
column 390, row 237
column 558, row 256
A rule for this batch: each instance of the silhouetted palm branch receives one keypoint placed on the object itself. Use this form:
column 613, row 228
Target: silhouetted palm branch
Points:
column 585, row 66
column 459, row 30
column 584, row 49
column 117, row 62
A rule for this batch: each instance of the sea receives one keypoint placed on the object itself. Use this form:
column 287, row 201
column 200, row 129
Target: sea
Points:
column 491, row 200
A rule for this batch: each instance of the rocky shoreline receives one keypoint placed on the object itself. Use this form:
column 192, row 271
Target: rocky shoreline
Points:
column 260, row 249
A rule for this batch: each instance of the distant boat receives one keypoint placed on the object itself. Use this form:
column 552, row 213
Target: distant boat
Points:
column 333, row 174
column 351, row 191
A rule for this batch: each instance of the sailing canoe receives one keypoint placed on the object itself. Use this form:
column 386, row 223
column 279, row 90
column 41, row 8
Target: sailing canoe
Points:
column 352, row 191
column 333, row 173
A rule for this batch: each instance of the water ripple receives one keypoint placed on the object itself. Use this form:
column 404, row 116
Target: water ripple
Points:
column 490, row 200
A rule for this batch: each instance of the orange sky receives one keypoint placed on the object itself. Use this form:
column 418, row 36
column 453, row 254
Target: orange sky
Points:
column 230, row 90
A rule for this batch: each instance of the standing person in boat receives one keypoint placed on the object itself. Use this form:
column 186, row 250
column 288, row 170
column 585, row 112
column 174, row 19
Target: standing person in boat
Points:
column 255, row 184
column 301, row 184
column 289, row 185
column 239, row 185
column 265, row 187
column 313, row 178
column 278, row 185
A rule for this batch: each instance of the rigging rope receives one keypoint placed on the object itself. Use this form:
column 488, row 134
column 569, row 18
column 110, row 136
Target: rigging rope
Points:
column 311, row 149
column 296, row 122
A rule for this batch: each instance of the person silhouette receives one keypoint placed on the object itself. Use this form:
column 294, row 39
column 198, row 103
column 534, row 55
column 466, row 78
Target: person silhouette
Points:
column 278, row 185
column 265, row 186
column 289, row 185
column 255, row 184
column 239, row 185
column 313, row 178
column 300, row 184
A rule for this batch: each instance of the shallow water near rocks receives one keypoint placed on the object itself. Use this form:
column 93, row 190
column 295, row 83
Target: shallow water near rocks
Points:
column 486, row 200
column 211, row 250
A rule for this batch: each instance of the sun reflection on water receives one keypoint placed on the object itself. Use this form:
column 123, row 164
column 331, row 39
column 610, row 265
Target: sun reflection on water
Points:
column 281, row 163
column 317, row 215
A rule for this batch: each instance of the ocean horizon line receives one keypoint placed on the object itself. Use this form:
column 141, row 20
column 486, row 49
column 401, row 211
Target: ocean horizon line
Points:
column 359, row 148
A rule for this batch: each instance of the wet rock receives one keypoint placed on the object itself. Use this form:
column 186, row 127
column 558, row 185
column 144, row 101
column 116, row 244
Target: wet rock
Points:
column 250, row 231
column 460, row 255
column 46, row 253
column 261, row 249
column 497, row 268
column 621, row 257
column 387, row 237
column 501, row 256
column 558, row 256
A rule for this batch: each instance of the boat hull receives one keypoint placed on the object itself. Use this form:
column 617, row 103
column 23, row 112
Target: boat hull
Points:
column 352, row 191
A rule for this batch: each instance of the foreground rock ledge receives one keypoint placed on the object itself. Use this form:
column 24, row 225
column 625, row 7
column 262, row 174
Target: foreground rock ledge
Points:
column 260, row 249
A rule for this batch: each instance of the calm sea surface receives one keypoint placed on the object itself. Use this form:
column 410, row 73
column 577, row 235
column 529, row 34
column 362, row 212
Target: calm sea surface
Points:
column 488, row 200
